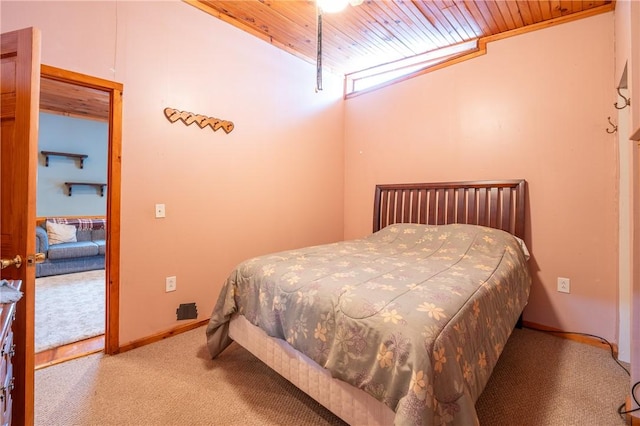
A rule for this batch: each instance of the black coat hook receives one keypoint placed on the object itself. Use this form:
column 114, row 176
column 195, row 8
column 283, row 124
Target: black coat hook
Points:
column 627, row 101
column 615, row 128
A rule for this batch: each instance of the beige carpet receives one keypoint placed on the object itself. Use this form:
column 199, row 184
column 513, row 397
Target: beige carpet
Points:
column 69, row 308
column 539, row 380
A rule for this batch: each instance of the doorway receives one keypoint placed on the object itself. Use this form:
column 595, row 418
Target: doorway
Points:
column 79, row 95
column 70, row 284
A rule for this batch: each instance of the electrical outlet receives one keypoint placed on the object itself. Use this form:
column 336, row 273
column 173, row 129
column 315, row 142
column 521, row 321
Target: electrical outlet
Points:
column 160, row 211
column 170, row 284
column 564, row 285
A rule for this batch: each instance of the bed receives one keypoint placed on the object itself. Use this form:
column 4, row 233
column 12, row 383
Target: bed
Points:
column 403, row 326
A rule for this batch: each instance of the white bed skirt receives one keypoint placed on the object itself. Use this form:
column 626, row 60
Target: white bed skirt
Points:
column 351, row 404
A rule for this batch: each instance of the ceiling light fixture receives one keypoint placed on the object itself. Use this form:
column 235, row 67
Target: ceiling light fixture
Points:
column 327, row 6
column 333, row 6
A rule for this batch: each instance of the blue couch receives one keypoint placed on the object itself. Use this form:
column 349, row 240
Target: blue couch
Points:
column 86, row 254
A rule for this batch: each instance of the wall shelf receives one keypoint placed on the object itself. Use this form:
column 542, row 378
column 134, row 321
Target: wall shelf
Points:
column 47, row 154
column 96, row 185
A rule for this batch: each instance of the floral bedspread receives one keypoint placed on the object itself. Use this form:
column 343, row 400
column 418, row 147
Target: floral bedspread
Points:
column 414, row 315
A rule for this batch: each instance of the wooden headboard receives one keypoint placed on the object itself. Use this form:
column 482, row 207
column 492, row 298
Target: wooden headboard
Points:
column 497, row 204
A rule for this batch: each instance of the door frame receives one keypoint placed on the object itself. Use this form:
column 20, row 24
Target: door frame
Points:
column 112, row 262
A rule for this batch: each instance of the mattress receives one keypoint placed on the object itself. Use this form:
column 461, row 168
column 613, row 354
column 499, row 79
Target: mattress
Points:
column 415, row 316
column 351, row 404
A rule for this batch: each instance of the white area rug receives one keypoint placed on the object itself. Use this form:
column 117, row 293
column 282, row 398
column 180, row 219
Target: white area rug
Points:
column 69, row 308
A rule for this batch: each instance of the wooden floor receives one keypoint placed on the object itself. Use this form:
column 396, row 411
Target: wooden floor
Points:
column 69, row 352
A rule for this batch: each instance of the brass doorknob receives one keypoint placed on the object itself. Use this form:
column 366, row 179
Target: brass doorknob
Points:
column 8, row 262
column 36, row 258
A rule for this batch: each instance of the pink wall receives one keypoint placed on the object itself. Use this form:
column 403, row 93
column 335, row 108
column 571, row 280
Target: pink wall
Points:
column 534, row 107
column 275, row 182
column 634, row 56
column 627, row 31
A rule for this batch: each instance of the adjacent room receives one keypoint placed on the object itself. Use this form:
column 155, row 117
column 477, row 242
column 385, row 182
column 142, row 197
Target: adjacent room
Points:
column 71, row 222
column 493, row 146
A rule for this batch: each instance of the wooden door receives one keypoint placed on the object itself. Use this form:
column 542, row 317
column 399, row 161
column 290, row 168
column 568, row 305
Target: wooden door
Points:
column 20, row 88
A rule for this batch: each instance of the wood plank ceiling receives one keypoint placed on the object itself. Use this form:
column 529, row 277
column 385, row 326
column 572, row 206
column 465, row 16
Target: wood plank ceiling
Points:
column 58, row 97
column 372, row 33
column 377, row 32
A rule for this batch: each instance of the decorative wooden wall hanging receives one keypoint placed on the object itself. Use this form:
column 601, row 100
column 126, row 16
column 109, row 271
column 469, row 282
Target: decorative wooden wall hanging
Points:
column 189, row 118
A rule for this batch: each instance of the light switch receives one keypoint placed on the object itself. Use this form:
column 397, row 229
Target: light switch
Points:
column 160, row 212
